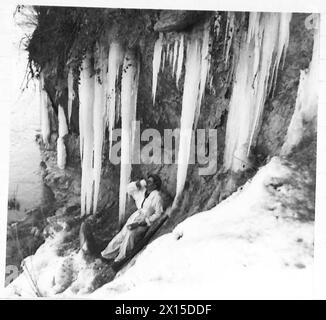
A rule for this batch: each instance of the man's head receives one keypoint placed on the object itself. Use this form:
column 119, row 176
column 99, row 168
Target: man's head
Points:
column 153, row 182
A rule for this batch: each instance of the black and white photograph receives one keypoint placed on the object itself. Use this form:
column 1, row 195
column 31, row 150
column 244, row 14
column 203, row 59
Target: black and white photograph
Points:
column 161, row 154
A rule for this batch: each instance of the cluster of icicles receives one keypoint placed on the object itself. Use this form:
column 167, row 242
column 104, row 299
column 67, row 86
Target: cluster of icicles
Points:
column 97, row 111
column 197, row 66
column 255, row 74
column 261, row 51
column 46, row 126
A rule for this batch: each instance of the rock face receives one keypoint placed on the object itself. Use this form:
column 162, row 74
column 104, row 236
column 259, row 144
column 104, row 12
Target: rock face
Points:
column 203, row 191
column 279, row 109
column 177, row 20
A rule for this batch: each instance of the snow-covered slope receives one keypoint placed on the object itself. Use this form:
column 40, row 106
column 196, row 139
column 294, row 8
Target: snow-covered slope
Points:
column 253, row 244
column 249, row 245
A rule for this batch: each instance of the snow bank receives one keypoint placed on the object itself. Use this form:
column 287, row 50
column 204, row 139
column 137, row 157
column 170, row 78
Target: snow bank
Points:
column 48, row 274
column 248, row 246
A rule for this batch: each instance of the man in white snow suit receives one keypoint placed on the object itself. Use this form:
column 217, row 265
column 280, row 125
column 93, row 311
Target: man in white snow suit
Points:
column 146, row 194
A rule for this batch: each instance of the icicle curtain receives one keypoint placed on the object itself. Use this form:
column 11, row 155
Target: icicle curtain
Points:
column 260, row 53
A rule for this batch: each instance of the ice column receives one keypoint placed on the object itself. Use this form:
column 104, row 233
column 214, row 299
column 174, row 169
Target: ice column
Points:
column 129, row 90
column 86, row 100
column 189, row 106
column 45, row 120
column 63, row 130
column 99, row 118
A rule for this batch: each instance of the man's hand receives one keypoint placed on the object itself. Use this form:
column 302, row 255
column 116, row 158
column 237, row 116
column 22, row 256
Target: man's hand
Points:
column 133, row 226
column 138, row 185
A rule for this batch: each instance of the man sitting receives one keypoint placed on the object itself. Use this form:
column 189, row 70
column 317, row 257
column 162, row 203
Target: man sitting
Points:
column 150, row 207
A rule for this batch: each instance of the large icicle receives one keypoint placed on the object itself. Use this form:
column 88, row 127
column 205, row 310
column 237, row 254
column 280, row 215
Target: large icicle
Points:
column 196, row 70
column 205, row 64
column 189, row 106
column 129, row 90
column 307, row 97
column 63, row 130
column 115, row 61
column 180, row 60
column 44, row 104
column 283, row 42
column 163, row 60
column 254, row 18
column 167, row 53
column 71, row 92
column 270, row 44
column 156, row 63
column 171, row 57
column 260, row 54
column 99, row 118
column 86, row 100
column 175, row 57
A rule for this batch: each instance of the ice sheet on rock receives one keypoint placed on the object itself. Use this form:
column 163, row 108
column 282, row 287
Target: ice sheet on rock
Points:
column 71, row 92
column 307, row 97
column 228, row 36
